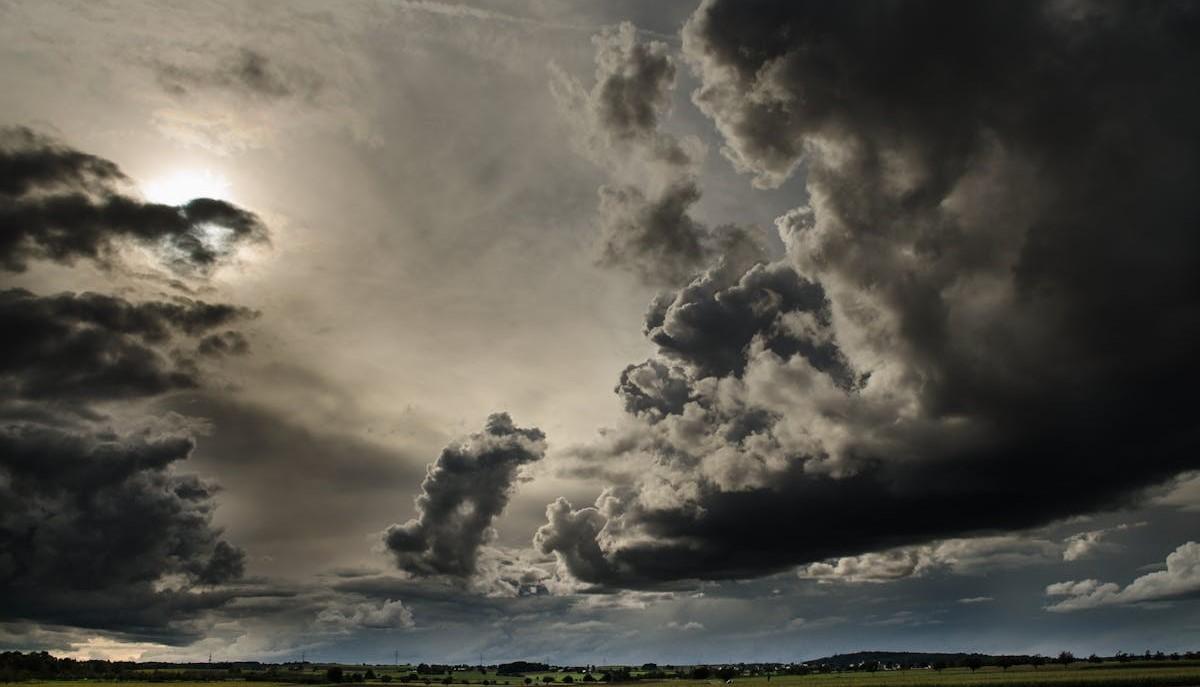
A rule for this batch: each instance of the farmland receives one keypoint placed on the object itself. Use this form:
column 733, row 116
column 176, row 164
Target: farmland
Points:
column 1183, row 674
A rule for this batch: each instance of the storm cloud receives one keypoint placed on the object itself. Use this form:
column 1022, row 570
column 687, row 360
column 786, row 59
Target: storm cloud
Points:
column 463, row 493
column 94, row 347
column 62, row 205
column 99, row 528
column 97, row 531
column 990, row 290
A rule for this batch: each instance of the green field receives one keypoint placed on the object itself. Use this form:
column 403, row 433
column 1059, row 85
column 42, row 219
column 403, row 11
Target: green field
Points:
column 1109, row 675
column 1046, row 676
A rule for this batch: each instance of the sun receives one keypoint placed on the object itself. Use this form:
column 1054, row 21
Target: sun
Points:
column 180, row 186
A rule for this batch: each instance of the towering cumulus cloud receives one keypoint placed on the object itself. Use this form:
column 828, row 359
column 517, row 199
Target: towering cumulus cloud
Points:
column 646, row 225
column 989, row 295
column 63, row 205
column 463, row 492
column 97, row 529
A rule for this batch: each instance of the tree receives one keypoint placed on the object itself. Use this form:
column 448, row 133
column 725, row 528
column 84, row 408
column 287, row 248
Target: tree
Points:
column 529, row 681
column 567, row 679
column 939, row 666
column 334, row 674
column 974, row 663
column 1037, row 660
column 701, row 673
column 1095, row 659
column 1066, row 658
column 385, row 678
column 548, row 679
column 587, row 677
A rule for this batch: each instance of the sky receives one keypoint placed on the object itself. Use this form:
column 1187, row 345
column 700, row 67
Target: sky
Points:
column 598, row 332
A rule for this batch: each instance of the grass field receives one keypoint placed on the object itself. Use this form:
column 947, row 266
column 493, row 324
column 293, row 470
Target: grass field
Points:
column 1022, row 676
column 1187, row 675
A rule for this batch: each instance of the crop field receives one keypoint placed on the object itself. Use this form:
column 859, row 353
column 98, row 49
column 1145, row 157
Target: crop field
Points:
column 1021, row 676
column 1186, row 674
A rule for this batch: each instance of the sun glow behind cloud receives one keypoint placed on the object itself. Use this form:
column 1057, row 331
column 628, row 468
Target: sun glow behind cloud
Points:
column 180, row 186
column 97, row 647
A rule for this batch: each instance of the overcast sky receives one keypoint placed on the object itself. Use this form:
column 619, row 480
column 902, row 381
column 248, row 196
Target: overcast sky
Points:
column 598, row 332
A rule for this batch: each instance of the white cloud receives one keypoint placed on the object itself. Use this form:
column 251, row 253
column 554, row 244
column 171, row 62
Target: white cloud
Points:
column 1183, row 494
column 959, row 556
column 807, row 625
column 689, row 626
column 1086, row 544
column 1181, row 578
column 387, row 615
column 977, row 599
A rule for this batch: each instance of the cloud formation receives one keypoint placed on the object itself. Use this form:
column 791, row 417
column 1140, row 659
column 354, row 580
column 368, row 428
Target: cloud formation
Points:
column 93, row 347
column 1087, row 544
column 964, row 321
column 246, row 71
column 347, row 618
column 98, row 529
column 1180, row 580
column 463, row 493
column 959, row 556
column 62, row 205
column 645, row 218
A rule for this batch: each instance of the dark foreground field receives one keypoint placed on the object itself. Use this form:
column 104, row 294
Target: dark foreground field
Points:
column 1020, row 676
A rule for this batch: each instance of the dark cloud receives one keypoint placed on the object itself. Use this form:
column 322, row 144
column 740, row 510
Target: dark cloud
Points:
column 654, row 388
column 633, row 83
column 224, row 343
column 246, row 71
column 709, row 324
column 992, row 292
column 97, row 531
column 91, row 347
column 622, row 112
column 62, row 205
column 654, row 238
column 463, row 493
